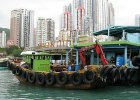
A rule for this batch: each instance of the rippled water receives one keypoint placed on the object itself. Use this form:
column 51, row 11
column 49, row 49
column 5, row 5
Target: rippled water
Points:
column 11, row 89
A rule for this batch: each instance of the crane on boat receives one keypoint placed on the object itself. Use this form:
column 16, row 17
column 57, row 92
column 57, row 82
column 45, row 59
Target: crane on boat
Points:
column 98, row 50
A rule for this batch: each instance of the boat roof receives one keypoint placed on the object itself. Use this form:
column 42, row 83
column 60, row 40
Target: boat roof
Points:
column 28, row 52
column 117, row 30
column 109, row 43
column 34, row 53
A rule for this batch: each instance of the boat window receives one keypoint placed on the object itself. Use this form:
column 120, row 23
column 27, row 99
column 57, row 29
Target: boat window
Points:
column 43, row 57
column 38, row 57
column 28, row 57
column 48, row 57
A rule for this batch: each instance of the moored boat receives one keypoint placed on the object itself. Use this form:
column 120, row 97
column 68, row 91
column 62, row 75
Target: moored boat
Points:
column 3, row 62
column 37, row 69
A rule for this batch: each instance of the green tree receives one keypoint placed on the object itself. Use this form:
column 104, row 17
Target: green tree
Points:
column 14, row 50
column 17, row 52
column 2, row 50
column 9, row 50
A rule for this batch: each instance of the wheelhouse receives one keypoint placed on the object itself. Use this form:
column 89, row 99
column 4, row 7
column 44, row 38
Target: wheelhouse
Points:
column 38, row 62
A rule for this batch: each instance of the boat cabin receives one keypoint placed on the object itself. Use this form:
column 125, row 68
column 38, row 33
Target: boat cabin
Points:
column 38, row 62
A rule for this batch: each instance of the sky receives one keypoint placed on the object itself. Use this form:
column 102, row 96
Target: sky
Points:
column 125, row 10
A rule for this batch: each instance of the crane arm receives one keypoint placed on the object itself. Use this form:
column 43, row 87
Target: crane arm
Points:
column 98, row 50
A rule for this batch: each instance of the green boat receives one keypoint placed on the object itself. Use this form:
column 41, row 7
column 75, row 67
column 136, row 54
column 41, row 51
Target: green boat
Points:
column 37, row 69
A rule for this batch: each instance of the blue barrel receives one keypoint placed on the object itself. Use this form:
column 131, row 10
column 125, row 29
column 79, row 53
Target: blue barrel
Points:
column 69, row 68
column 77, row 67
column 119, row 61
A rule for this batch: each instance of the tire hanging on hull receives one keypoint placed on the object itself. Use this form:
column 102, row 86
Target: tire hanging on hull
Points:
column 50, row 79
column 24, row 75
column 18, row 71
column 132, row 77
column 40, row 78
column 31, row 77
column 115, row 75
column 62, row 78
column 89, row 77
column 76, row 78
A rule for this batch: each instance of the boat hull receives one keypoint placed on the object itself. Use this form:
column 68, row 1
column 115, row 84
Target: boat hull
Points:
column 65, row 86
column 68, row 82
column 3, row 64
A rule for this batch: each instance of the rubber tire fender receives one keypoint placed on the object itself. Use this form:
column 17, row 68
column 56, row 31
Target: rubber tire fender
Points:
column 76, row 78
column 122, row 75
column 106, row 72
column 31, row 77
column 40, row 78
column 132, row 76
column 114, row 74
column 89, row 77
column 50, row 79
column 13, row 71
column 126, row 72
column 25, row 65
column 24, row 75
column 136, row 61
column 102, row 70
column 62, row 78
column 18, row 71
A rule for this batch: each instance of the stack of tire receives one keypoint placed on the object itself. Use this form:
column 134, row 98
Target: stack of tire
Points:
column 136, row 61
column 10, row 65
column 119, row 76
column 61, row 78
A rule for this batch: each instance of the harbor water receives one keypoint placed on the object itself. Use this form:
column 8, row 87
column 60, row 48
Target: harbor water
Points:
column 11, row 89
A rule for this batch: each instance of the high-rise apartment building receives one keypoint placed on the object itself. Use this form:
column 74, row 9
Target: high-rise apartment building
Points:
column 80, row 18
column 79, row 14
column 89, row 16
column 41, row 31
column 22, row 27
column 102, row 15
column 50, row 29
column 45, row 31
column 66, row 19
column 137, row 20
column 3, row 39
column 111, row 14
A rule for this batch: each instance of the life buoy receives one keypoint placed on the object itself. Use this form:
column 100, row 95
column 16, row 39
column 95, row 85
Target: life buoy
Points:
column 24, row 75
column 89, row 77
column 18, row 71
column 40, row 78
column 76, row 78
column 50, row 79
column 62, row 78
column 31, row 77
